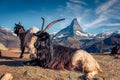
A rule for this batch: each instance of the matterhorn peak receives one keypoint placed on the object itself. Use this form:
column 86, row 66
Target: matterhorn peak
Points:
column 75, row 20
column 75, row 25
column 73, row 30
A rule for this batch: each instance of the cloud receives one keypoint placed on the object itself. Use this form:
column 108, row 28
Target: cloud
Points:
column 109, row 9
column 105, row 6
column 105, row 12
column 113, row 24
column 74, row 8
column 110, row 29
column 95, row 23
column 97, row 1
column 78, row 2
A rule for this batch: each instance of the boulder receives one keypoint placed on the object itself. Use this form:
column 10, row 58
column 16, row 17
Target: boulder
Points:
column 7, row 76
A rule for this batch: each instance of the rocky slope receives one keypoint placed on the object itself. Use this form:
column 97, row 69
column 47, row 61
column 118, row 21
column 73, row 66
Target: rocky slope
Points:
column 71, row 35
column 8, row 38
column 103, row 43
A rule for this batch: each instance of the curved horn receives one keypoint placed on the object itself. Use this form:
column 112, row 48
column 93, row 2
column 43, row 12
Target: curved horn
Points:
column 52, row 23
column 42, row 23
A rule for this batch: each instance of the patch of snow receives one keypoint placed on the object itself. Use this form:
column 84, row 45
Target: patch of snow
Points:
column 81, row 34
column 60, row 36
column 91, row 35
column 5, row 29
column 8, row 30
column 103, row 35
column 54, row 33
column 107, row 33
column 117, row 32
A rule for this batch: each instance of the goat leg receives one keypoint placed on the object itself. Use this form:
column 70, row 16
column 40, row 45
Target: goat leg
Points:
column 23, row 49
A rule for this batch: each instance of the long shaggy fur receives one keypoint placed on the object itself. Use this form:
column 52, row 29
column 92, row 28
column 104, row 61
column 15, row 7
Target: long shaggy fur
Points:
column 61, row 58
column 89, row 65
column 30, row 39
column 27, row 39
column 73, row 59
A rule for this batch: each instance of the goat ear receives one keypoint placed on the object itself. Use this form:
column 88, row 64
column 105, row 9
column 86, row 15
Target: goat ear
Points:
column 19, row 23
column 15, row 24
column 52, row 23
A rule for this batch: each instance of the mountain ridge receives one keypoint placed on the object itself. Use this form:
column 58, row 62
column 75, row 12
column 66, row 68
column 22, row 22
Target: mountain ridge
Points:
column 73, row 36
column 8, row 38
column 73, row 30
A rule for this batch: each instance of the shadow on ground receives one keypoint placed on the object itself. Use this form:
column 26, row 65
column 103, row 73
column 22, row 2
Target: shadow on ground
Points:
column 11, row 61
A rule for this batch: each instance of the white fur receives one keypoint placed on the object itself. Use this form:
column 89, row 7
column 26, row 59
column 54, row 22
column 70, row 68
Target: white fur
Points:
column 89, row 65
column 30, row 40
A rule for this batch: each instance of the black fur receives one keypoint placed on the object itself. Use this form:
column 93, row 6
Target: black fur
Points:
column 20, row 32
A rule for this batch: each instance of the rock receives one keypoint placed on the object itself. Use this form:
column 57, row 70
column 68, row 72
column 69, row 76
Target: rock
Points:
column 26, row 73
column 7, row 76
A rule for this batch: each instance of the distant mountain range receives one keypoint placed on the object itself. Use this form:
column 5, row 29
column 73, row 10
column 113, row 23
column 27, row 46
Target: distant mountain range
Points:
column 71, row 36
column 8, row 38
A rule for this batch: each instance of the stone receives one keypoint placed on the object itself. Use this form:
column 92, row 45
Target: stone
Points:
column 7, row 76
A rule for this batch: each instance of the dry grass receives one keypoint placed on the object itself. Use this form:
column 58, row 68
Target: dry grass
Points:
column 110, row 66
column 10, row 63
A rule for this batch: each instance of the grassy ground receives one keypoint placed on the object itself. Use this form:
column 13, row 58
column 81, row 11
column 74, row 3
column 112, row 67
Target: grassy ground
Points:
column 10, row 63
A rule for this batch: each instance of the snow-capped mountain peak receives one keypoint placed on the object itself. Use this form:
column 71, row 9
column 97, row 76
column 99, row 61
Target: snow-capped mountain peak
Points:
column 117, row 32
column 73, row 30
column 78, row 33
column 103, row 35
column 75, row 25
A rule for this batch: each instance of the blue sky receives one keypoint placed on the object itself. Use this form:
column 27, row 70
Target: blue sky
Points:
column 94, row 16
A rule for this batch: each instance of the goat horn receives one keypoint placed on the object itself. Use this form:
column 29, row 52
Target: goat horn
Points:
column 42, row 23
column 19, row 23
column 52, row 23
